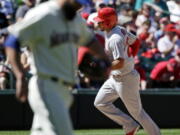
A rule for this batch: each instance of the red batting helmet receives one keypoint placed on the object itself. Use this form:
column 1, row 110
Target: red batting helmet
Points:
column 108, row 16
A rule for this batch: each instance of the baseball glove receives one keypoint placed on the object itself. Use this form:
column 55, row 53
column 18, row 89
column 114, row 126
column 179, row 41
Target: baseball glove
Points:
column 94, row 68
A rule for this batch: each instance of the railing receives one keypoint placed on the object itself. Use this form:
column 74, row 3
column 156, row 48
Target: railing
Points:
column 157, row 91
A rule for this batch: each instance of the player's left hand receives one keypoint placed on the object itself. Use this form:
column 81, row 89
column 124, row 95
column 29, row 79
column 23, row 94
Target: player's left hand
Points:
column 21, row 89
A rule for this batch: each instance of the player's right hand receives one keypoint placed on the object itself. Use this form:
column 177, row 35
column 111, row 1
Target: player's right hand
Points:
column 21, row 89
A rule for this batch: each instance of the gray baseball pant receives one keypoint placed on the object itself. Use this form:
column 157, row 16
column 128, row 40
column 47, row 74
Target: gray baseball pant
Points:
column 50, row 102
column 127, row 88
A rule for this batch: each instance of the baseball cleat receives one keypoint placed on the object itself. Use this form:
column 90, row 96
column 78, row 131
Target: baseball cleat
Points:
column 134, row 131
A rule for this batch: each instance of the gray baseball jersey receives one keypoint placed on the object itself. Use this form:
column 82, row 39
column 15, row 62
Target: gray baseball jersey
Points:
column 48, row 31
column 53, row 41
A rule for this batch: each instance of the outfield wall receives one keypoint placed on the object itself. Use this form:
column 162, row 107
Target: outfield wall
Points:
column 162, row 105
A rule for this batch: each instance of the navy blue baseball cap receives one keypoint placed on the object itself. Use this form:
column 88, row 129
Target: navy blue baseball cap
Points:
column 84, row 2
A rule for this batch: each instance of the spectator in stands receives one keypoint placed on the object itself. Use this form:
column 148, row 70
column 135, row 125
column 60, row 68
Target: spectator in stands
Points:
column 3, row 21
column 4, row 72
column 140, row 69
column 155, row 19
column 90, row 22
column 143, row 31
column 85, row 15
column 6, row 7
column 84, row 81
column 94, row 27
column 124, row 9
column 149, row 59
column 143, row 15
column 148, row 44
column 130, row 24
column 27, row 62
column 166, row 43
column 166, row 74
column 4, row 67
column 140, row 3
column 99, row 4
column 22, row 10
column 130, row 3
column 162, row 5
column 2, row 53
column 124, row 14
column 160, row 31
column 174, row 8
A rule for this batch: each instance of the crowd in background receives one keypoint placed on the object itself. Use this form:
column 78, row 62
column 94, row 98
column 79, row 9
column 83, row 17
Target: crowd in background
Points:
column 155, row 22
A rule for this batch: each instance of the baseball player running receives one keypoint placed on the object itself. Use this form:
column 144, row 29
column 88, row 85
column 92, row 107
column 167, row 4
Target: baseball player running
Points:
column 47, row 30
column 124, row 79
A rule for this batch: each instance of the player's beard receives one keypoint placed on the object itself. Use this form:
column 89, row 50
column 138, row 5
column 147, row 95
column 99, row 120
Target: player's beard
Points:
column 69, row 11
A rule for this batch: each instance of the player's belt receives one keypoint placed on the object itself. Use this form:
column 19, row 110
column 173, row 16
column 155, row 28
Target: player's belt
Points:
column 121, row 75
column 56, row 80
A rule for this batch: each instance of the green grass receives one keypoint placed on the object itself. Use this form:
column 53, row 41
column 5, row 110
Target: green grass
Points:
column 120, row 132
column 98, row 132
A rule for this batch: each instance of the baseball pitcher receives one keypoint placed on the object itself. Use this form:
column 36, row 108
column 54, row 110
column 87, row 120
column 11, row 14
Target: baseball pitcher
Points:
column 47, row 30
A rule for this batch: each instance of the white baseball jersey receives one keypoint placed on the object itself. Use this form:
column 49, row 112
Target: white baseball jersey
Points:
column 124, row 84
column 116, row 46
column 57, row 37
